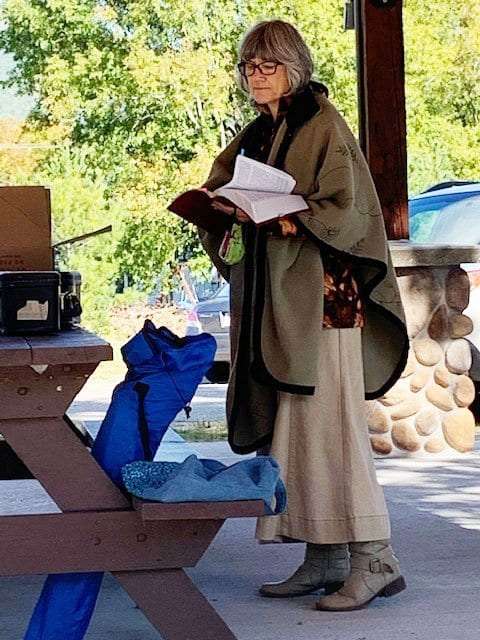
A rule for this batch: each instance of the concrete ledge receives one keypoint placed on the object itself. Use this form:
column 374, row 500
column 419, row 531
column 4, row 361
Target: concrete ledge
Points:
column 409, row 254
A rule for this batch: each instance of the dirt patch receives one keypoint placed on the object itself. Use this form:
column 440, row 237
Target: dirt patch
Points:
column 201, row 430
column 126, row 321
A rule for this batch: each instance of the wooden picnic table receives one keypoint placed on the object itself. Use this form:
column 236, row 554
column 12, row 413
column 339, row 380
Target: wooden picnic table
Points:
column 145, row 545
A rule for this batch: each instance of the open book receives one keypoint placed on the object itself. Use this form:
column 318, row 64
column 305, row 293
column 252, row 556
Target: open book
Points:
column 262, row 191
column 195, row 206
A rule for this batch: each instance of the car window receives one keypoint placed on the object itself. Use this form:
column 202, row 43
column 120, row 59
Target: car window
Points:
column 456, row 222
column 223, row 292
column 424, row 211
column 421, row 225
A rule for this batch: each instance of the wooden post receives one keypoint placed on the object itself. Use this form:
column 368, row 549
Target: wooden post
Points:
column 382, row 113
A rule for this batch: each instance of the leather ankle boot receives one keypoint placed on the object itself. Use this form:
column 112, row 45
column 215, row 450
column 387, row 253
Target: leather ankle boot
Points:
column 325, row 567
column 375, row 572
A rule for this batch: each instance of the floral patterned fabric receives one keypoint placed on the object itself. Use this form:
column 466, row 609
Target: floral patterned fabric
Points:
column 343, row 305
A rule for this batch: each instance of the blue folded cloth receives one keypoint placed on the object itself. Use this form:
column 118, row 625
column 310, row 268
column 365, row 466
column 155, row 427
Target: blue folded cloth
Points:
column 205, row 480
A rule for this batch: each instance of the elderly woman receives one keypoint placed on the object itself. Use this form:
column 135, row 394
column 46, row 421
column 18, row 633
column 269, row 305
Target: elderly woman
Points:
column 317, row 326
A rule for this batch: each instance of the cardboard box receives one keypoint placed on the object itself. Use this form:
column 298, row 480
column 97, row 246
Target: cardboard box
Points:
column 25, row 229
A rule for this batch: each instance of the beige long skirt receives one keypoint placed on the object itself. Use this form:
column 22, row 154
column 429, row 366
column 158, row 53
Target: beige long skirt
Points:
column 321, row 443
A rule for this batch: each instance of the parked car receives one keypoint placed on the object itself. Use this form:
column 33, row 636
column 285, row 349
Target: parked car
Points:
column 213, row 316
column 446, row 213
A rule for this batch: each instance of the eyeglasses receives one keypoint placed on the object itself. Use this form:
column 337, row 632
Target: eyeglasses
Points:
column 266, row 68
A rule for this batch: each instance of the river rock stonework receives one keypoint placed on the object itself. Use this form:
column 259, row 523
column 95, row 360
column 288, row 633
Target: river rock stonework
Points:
column 426, row 412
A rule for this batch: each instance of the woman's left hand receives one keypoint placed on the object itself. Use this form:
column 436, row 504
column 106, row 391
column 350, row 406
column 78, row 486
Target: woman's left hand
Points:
column 287, row 227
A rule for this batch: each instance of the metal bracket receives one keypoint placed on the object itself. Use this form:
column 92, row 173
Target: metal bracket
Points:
column 349, row 15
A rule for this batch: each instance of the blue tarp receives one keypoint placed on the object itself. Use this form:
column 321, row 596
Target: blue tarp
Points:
column 205, row 480
column 164, row 372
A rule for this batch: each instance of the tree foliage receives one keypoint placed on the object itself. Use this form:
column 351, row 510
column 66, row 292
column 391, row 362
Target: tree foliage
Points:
column 443, row 90
column 135, row 97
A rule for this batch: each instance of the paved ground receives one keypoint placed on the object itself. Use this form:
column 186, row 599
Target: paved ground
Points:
column 436, row 521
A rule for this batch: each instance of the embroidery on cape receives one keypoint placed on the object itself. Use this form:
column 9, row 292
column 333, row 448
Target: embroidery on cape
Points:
column 326, row 231
column 371, row 211
column 366, row 208
column 346, row 150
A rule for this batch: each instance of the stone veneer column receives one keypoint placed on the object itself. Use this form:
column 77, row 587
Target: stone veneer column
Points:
column 426, row 412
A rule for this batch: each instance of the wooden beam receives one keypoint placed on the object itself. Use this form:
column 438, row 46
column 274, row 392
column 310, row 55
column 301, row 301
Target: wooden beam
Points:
column 63, row 466
column 100, row 541
column 174, row 605
column 382, row 112
column 198, row 510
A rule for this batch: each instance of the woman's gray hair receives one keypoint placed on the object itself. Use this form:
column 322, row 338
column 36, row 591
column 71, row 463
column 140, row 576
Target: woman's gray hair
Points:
column 279, row 41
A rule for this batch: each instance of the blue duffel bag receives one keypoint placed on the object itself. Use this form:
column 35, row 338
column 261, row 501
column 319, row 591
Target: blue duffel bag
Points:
column 164, row 372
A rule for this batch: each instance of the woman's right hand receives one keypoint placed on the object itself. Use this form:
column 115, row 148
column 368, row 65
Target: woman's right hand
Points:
column 210, row 194
column 231, row 210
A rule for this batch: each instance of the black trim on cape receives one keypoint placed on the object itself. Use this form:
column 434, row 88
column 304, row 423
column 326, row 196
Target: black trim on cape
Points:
column 246, row 449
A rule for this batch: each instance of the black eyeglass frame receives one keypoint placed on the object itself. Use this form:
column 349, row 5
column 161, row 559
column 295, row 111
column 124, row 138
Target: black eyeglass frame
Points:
column 242, row 64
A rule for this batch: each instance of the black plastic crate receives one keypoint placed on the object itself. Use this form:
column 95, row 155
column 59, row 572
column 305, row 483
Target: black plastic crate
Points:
column 29, row 302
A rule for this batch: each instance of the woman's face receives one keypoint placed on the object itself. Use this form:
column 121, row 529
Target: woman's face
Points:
column 267, row 88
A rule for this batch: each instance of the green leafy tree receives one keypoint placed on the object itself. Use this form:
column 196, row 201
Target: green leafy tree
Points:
column 144, row 92
column 134, row 98
column 443, row 90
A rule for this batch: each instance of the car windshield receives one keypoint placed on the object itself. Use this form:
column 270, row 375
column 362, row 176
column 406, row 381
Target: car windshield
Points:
column 223, row 292
column 447, row 219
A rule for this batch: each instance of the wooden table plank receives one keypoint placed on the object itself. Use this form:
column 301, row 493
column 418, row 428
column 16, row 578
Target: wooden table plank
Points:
column 198, row 510
column 73, row 346
column 28, row 394
column 99, row 541
column 62, row 464
column 14, row 351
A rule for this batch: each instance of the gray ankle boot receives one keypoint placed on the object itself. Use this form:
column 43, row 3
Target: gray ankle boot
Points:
column 326, row 566
column 375, row 572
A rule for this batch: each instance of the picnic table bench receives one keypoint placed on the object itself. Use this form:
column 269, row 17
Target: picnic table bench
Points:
column 145, row 545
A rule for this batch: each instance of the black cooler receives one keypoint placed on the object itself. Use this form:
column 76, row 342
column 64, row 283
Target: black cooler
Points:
column 29, row 302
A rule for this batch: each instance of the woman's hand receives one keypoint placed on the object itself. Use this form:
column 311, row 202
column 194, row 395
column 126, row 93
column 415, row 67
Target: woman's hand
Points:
column 231, row 210
column 240, row 215
column 287, row 227
column 205, row 190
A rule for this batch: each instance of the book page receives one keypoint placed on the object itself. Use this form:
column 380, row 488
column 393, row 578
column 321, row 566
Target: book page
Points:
column 258, row 176
column 262, row 206
column 246, row 196
column 238, row 197
column 265, row 209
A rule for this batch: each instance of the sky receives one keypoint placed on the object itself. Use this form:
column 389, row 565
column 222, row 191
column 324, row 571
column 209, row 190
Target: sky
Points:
column 11, row 104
